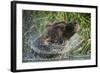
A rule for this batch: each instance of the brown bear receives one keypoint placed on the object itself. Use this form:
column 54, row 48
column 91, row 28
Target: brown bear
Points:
column 59, row 32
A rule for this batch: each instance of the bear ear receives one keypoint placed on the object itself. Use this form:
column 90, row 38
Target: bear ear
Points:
column 52, row 23
column 60, row 24
column 73, row 21
column 49, row 24
column 76, row 24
